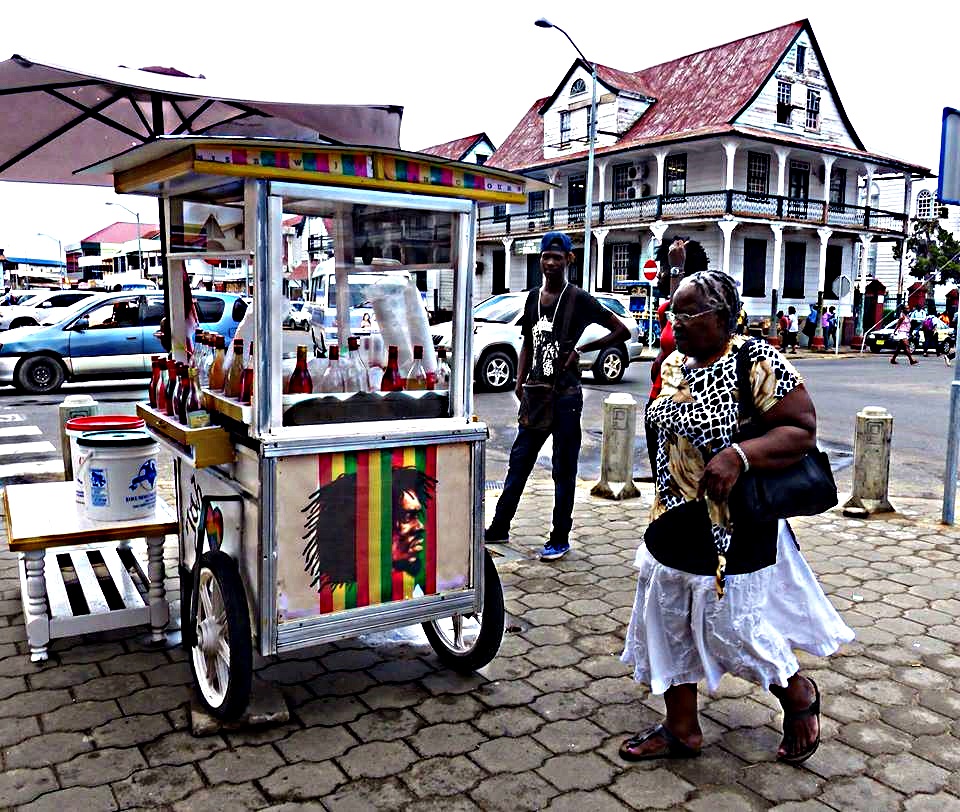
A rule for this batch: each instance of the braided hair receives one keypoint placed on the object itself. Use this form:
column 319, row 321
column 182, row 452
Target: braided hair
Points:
column 719, row 292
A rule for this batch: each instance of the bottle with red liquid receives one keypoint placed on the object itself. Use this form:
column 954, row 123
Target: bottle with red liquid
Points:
column 246, row 384
column 182, row 394
column 391, row 381
column 415, row 376
column 155, row 378
column 300, row 381
column 171, row 386
column 162, row 387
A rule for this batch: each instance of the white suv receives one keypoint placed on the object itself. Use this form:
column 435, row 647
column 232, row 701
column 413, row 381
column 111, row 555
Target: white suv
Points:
column 497, row 340
column 42, row 306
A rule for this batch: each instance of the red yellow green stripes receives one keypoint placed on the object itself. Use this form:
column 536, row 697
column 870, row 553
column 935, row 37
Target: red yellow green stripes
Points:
column 377, row 581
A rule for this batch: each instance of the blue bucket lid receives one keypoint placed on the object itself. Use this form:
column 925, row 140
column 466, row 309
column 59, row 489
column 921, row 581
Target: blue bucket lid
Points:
column 115, row 439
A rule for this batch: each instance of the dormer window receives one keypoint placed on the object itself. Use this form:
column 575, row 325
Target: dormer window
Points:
column 924, row 205
column 564, row 128
column 784, row 102
column 813, row 109
column 578, row 87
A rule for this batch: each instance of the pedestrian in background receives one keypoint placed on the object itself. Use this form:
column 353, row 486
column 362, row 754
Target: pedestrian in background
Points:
column 792, row 331
column 717, row 594
column 548, row 387
column 929, row 327
column 901, row 336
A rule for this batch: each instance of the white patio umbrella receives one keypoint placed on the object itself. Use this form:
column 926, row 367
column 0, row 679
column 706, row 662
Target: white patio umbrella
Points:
column 55, row 120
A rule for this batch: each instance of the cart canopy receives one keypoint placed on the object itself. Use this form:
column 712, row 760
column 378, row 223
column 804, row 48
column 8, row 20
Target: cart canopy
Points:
column 56, row 120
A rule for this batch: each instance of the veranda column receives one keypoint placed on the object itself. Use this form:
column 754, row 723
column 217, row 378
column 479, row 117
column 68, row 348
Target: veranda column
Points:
column 865, row 240
column 828, row 161
column 658, row 229
column 782, row 155
column 602, row 178
column 730, row 154
column 825, row 234
column 508, row 269
column 661, row 156
column 907, row 200
column 727, row 225
column 600, row 234
column 552, row 177
column 777, row 229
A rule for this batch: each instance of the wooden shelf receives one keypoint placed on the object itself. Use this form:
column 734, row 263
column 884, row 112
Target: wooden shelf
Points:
column 234, row 409
column 207, row 446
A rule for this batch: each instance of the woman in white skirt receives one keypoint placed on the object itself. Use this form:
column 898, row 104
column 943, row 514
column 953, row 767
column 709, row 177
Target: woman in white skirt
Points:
column 716, row 596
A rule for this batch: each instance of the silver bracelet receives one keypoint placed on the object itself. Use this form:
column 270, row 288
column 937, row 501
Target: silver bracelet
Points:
column 742, row 455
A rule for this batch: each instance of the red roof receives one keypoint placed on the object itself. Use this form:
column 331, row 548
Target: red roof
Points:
column 293, row 221
column 299, row 273
column 697, row 95
column 123, row 232
column 456, row 149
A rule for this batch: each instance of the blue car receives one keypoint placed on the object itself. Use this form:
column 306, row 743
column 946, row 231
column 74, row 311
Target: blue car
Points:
column 109, row 336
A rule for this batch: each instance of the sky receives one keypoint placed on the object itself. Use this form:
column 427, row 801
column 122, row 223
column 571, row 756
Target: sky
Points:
column 456, row 68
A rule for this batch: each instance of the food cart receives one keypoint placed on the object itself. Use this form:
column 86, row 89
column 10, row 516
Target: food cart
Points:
column 309, row 518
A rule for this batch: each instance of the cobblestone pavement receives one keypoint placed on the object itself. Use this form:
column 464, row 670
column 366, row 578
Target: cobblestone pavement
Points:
column 377, row 724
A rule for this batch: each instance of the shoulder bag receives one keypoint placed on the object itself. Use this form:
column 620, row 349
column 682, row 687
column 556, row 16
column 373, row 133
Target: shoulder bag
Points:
column 805, row 488
column 536, row 400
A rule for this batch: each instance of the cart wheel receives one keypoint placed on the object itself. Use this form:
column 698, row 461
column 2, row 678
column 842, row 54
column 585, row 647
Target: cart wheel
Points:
column 468, row 642
column 221, row 658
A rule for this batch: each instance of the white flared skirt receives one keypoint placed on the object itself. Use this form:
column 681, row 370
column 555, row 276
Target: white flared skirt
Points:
column 680, row 632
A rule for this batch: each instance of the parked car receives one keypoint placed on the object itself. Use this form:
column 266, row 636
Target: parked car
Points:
column 40, row 307
column 497, row 340
column 111, row 336
column 298, row 316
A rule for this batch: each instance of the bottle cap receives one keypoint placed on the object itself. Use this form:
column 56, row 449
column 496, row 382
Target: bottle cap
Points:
column 335, row 353
column 238, row 345
column 353, row 343
column 418, row 351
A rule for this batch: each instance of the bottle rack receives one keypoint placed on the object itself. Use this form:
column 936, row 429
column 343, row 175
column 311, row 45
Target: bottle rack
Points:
column 210, row 445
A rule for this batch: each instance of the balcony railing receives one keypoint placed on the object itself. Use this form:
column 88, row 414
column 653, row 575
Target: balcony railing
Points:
column 695, row 204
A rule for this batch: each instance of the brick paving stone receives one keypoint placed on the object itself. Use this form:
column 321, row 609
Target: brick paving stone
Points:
column 629, row 717
column 753, row 745
column 508, row 722
column 386, row 725
column 875, row 738
column 155, row 787
column 172, row 674
column 582, row 771
column 449, row 682
column 570, row 736
column 595, row 801
column 782, row 782
column 442, row 776
column 377, row 759
column 12, row 685
column 135, row 663
column 945, row 663
column 656, row 788
column 393, row 696
column 506, row 693
column 295, row 806
column 548, row 680
column 45, row 750
column 329, row 711
column 109, row 687
column 941, row 802
column 513, row 755
column 154, row 699
column 714, row 766
column 31, row 703
column 100, row 767
column 446, row 708
column 742, row 712
column 360, row 796
column 547, row 617
column 63, row 676
column 11, row 733
column 507, row 668
column 850, row 708
column 513, row 793
column 181, row 747
column 942, row 750
column 446, row 739
column 23, row 785
column 907, row 773
column 316, row 744
column 801, row 806
column 860, row 794
column 232, row 797
column 946, row 703
column 240, row 765
column 610, row 645
column 603, row 665
column 549, row 635
column 729, row 799
column 303, row 782
column 922, row 678
column 351, row 659
column 572, row 705
column 88, row 799
column 916, row 721
column 554, row 656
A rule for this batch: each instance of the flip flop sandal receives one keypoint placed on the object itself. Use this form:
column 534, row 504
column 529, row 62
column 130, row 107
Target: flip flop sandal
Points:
column 792, row 716
column 674, row 747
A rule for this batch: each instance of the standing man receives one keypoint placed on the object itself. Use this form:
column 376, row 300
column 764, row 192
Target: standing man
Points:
column 548, row 386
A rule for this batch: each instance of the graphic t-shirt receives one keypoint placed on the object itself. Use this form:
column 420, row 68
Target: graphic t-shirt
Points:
column 548, row 350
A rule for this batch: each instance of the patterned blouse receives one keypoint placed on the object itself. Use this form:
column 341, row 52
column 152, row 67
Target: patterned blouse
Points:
column 696, row 415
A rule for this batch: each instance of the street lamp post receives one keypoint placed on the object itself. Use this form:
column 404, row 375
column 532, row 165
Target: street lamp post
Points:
column 139, row 244
column 591, row 144
column 60, row 251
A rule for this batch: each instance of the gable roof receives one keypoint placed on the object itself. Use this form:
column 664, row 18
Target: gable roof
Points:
column 610, row 78
column 122, row 232
column 455, row 150
column 686, row 106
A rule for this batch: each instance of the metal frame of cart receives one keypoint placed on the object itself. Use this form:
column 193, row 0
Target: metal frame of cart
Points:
column 240, row 480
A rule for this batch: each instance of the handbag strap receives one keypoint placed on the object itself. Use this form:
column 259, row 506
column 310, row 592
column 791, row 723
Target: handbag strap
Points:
column 746, row 405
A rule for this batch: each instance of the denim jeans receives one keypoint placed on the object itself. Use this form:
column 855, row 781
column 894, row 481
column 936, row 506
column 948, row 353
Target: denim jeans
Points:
column 523, row 456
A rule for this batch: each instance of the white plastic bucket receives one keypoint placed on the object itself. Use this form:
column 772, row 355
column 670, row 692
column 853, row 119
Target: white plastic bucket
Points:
column 119, row 471
column 77, row 426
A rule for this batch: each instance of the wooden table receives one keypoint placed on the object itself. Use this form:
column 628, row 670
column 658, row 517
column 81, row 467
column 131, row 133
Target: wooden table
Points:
column 91, row 586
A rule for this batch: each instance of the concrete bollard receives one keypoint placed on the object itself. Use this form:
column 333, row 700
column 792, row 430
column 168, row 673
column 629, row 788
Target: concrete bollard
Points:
column 73, row 406
column 616, row 448
column 871, row 463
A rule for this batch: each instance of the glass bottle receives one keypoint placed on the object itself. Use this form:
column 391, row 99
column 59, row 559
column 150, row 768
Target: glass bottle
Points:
column 415, row 376
column 300, row 381
column 162, row 386
column 246, row 384
column 171, row 386
column 234, row 376
column 155, row 378
column 443, row 369
column 391, row 381
column 216, row 366
column 182, row 397
column 317, row 365
column 334, row 377
column 373, row 347
column 354, row 370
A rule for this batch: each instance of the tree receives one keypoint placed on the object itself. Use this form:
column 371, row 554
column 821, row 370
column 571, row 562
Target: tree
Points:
column 932, row 253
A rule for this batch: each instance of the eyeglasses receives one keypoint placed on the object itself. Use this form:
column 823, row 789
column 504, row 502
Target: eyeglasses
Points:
column 683, row 319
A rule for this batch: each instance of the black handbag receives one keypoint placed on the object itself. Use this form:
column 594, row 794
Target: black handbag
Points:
column 536, row 407
column 806, row 488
